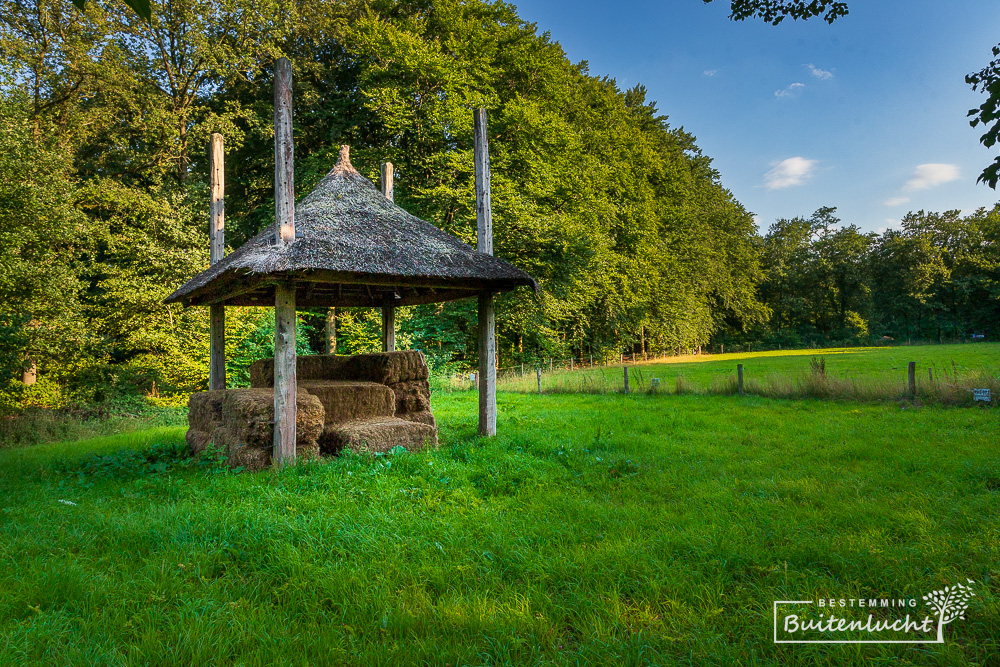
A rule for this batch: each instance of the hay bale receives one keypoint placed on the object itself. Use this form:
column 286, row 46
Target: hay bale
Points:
column 205, row 408
column 381, row 367
column 424, row 417
column 197, row 440
column 412, row 396
column 347, row 401
column 262, row 373
column 380, row 434
column 204, row 416
column 245, row 430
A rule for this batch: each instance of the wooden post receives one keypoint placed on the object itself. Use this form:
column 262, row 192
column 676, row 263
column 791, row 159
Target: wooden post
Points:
column 284, row 373
column 550, row 364
column 487, row 315
column 284, row 155
column 217, row 249
column 388, row 305
column 911, row 376
column 626, row 378
column 571, row 363
column 487, row 366
column 388, row 176
column 739, row 378
column 331, row 331
column 930, row 375
column 285, row 384
column 538, row 376
column 388, row 322
column 30, row 374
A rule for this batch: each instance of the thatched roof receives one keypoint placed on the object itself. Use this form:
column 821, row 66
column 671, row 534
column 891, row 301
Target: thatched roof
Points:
column 353, row 247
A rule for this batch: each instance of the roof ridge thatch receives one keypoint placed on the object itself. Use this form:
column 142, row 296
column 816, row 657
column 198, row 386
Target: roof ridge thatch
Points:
column 347, row 231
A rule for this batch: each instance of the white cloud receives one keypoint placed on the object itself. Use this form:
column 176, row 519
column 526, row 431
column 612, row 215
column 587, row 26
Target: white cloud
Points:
column 757, row 220
column 820, row 73
column 790, row 91
column 896, row 201
column 890, row 223
column 710, row 72
column 931, row 175
column 789, row 172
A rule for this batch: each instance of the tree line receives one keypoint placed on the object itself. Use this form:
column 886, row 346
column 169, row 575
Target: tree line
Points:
column 104, row 200
column 935, row 279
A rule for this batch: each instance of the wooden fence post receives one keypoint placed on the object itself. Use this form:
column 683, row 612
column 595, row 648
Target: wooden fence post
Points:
column 911, row 376
column 626, row 378
column 285, row 385
column 487, row 314
column 571, row 363
column 739, row 378
column 538, row 376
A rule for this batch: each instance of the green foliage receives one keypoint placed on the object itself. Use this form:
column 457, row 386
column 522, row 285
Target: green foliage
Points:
column 258, row 344
column 938, row 277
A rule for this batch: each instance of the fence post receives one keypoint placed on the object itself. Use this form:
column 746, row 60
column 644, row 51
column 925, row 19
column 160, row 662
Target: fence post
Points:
column 626, row 378
column 538, row 376
column 911, row 376
column 930, row 375
column 739, row 378
column 522, row 370
column 571, row 363
column 550, row 364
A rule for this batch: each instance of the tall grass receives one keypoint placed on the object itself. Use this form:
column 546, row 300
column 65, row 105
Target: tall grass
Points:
column 869, row 375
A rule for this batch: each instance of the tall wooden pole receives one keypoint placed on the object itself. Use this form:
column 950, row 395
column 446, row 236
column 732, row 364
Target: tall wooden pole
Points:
column 284, row 292
column 388, row 305
column 388, row 175
column 487, row 315
column 217, row 249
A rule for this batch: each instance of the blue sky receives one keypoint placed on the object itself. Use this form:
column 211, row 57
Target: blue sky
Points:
column 867, row 114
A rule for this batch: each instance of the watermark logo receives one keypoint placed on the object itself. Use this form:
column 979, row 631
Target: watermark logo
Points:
column 871, row 620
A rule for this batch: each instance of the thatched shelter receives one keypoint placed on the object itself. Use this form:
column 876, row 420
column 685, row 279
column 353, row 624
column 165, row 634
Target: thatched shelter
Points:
column 353, row 246
column 345, row 244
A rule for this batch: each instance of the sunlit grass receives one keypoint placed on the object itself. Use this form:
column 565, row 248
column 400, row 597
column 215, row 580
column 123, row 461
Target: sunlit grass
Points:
column 945, row 374
column 593, row 530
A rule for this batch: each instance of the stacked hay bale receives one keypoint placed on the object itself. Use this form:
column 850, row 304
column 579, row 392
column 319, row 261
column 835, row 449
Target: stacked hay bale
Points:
column 240, row 422
column 405, row 372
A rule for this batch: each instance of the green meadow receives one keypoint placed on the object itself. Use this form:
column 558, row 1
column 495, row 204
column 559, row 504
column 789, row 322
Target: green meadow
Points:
column 944, row 373
column 594, row 529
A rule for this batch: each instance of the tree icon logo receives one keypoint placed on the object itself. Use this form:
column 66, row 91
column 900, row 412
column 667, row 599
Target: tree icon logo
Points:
column 950, row 603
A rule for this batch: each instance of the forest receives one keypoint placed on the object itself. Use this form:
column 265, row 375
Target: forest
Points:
column 634, row 239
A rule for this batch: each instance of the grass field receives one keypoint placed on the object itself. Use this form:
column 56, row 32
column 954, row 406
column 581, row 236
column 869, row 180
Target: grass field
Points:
column 595, row 529
column 872, row 373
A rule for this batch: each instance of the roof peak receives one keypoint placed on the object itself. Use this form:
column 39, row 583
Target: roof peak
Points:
column 344, row 165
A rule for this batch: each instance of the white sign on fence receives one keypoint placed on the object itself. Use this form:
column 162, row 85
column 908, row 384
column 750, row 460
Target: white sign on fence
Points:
column 981, row 395
column 654, row 382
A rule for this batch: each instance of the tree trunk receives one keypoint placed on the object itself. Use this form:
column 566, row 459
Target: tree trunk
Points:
column 331, row 331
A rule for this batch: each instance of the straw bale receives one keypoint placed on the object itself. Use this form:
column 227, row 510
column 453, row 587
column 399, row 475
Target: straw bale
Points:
column 423, row 417
column 412, row 396
column 345, row 401
column 380, row 434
